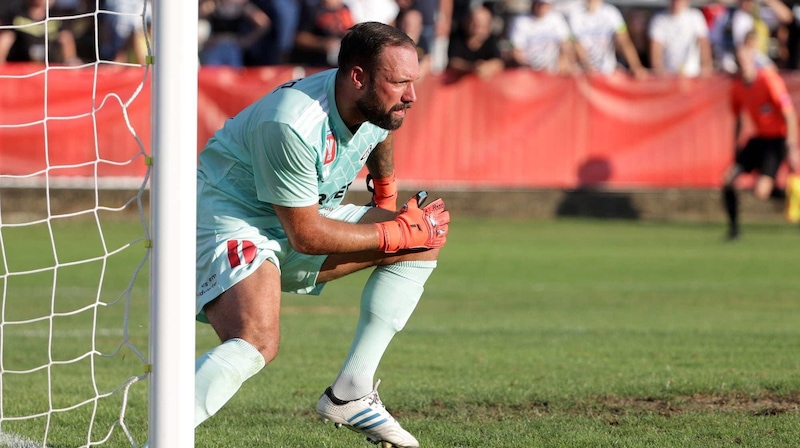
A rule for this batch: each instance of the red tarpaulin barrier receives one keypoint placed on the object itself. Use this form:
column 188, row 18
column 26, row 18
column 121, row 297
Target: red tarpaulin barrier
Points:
column 520, row 129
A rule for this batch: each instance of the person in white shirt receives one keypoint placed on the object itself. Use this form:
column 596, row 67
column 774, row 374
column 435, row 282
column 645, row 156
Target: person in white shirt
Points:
column 679, row 43
column 383, row 11
column 599, row 31
column 541, row 40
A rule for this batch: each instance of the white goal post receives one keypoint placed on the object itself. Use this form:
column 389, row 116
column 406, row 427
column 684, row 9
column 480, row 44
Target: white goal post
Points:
column 172, row 334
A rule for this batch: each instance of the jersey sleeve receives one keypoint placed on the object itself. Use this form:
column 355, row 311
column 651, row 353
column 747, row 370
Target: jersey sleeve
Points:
column 561, row 27
column 700, row 25
column 777, row 90
column 515, row 32
column 616, row 20
column 655, row 29
column 284, row 166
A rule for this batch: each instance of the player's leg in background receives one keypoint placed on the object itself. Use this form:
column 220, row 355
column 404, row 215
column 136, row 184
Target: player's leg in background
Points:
column 773, row 156
column 747, row 159
column 730, row 200
column 765, row 188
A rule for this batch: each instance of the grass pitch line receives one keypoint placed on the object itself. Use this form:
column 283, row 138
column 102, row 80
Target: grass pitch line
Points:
column 15, row 441
column 66, row 334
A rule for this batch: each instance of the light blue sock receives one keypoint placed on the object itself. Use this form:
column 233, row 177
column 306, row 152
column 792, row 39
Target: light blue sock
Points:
column 389, row 298
column 220, row 372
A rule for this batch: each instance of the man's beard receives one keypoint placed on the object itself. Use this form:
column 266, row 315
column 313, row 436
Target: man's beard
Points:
column 371, row 108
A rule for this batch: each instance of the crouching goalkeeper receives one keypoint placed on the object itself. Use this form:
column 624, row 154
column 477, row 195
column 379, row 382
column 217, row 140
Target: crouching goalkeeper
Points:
column 270, row 219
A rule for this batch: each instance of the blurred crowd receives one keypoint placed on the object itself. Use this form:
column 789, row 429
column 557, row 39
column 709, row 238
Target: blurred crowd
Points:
column 643, row 38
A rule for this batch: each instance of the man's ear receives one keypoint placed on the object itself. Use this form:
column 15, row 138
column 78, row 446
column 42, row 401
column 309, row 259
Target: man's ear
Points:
column 358, row 76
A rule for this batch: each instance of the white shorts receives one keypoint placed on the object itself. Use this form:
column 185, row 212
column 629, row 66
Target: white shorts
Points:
column 227, row 254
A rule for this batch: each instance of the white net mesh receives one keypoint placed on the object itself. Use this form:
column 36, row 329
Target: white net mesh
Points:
column 74, row 238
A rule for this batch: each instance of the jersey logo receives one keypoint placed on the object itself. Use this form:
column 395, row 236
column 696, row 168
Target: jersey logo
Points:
column 365, row 154
column 330, row 148
column 241, row 252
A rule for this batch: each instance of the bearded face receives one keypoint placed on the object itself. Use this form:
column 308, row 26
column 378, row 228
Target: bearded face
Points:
column 376, row 112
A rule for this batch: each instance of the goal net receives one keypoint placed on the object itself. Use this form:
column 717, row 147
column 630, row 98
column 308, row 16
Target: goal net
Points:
column 83, row 225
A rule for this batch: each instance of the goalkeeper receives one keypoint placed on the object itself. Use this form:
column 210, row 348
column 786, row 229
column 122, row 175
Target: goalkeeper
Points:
column 270, row 219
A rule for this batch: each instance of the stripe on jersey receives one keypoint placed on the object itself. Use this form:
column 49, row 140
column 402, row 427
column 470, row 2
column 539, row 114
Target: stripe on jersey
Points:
column 313, row 114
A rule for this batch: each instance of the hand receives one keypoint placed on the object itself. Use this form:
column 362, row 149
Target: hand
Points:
column 640, row 73
column 384, row 192
column 415, row 228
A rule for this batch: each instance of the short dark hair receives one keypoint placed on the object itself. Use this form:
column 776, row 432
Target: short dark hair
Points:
column 364, row 42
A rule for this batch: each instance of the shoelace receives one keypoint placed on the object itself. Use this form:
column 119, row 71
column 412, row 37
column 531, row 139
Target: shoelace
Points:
column 374, row 399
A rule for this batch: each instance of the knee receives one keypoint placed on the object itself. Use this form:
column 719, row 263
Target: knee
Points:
column 427, row 255
column 269, row 354
column 430, row 255
column 762, row 194
column 264, row 338
column 267, row 343
column 763, row 188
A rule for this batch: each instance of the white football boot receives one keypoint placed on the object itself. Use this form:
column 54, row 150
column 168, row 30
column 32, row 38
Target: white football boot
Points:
column 367, row 416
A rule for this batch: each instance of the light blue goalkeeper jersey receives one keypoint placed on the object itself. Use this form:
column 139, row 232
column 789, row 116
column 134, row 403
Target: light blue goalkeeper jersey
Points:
column 290, row 148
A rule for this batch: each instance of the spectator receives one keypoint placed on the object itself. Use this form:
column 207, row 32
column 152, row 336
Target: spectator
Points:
column 383, row 11
column 428, row 23
column 541, row 40
column 32, row 39
column 791, row 43
column 123, row 33
column 235, row 25
column 275, row 47
column 599, row 29
column 713, row 10
column 79, row 21
column 679, row 42
column 323, row 24
column 474, row 48
column 730, row 28
column 760, row 92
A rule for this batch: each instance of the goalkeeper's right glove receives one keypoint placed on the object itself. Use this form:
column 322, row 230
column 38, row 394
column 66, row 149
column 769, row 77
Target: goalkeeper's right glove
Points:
column 414, row 227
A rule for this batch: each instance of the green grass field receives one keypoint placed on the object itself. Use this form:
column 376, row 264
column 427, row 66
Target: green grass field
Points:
column 562, row 333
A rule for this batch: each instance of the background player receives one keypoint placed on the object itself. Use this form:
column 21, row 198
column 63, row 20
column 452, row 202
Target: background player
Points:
column 759, row 91
column 270, row 187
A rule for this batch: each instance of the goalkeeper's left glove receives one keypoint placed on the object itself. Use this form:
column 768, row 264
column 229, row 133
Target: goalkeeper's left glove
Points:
column 415, row 227
column 384, row 192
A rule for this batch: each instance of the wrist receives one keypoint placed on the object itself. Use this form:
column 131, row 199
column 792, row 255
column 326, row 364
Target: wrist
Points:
column 390, row 236
column 385, row 194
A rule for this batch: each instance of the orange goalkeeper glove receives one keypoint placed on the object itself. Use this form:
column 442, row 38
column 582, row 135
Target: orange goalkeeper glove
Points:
column 414, row 227
column 384, row 192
